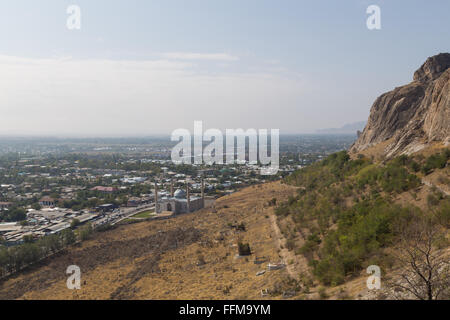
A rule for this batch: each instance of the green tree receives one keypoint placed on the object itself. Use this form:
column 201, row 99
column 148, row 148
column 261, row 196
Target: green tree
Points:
column 75, row 223
column 86, row 232
column 68, row 237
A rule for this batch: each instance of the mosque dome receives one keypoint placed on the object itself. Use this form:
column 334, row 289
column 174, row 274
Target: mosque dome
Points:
column 180, row 194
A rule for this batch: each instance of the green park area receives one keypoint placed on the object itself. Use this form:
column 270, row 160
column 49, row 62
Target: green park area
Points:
column 144, row 214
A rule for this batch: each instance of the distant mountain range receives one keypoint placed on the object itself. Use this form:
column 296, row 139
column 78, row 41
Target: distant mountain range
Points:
column 349, row 128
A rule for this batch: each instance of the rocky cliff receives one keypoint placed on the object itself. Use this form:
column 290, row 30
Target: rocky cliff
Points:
column 409, row 118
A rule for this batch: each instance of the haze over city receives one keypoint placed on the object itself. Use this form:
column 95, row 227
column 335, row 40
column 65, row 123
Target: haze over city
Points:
column 217, row 158
column 293, row 65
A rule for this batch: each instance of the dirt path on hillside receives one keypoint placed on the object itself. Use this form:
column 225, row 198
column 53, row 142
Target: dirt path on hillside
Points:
column 286, row 255
column 431, row 185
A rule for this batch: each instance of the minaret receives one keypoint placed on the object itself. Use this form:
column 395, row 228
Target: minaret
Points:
column 188, row 197
column 156, row 196
column 171, row 188
column 203, row 193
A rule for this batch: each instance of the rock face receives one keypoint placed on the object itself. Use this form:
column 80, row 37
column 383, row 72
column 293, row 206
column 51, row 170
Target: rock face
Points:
column 413, row 116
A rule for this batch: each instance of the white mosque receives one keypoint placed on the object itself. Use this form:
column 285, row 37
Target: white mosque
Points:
column 179, row 201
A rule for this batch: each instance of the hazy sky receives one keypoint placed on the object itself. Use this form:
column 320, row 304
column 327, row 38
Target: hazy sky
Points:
column 144, row 67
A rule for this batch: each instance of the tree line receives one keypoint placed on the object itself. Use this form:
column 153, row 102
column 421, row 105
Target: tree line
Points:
column 15, row 258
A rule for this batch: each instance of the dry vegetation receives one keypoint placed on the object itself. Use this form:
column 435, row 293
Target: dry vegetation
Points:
column 345, row 215
column 195, row 256
column 192, row 256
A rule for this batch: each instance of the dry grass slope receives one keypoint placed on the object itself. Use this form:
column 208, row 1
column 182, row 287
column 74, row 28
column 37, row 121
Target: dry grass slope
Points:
column 163, row 259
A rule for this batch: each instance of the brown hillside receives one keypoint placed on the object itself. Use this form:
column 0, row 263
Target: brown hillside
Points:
column 161, row 259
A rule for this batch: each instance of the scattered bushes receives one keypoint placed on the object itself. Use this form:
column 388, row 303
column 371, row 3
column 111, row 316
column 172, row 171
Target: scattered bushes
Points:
column 362, row 229
column 396, row 178
column 239, row 227
column 443, row 213
column 290, row 244
column 311, row 245
column 272, row 202
column 244, row 249
column 432, row 200
column 201, row 260
column 436, row 161
column 323, row 293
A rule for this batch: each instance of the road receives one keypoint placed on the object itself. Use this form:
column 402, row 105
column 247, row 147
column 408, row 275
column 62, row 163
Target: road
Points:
column 132, row 211
column 121, row 214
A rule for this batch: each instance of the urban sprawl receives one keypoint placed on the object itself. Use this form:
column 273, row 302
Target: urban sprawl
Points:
column 48, row 186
